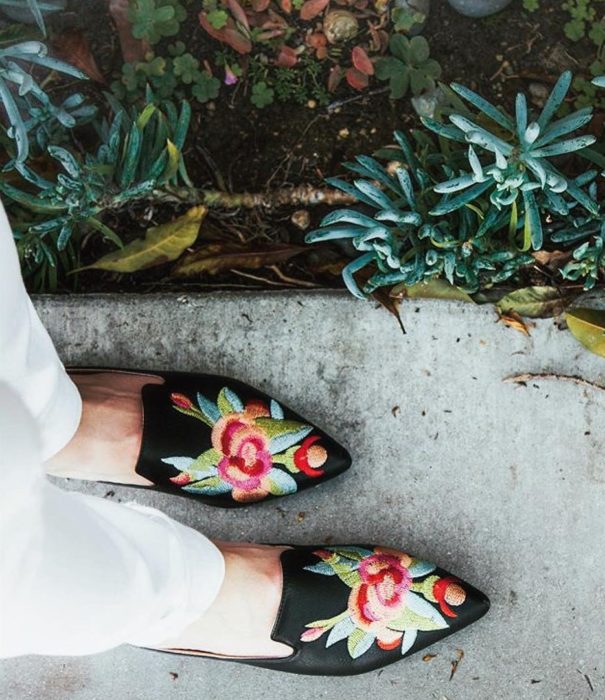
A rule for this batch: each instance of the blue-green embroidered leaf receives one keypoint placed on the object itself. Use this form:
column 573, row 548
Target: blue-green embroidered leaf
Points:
column 409, row 638
column 340, row 631
column 276, row 410
column 283, row 442
column 208, row 409
column 424, row 609
column 181, row 463
column 421, row 568
column 214, row 486
column 281, row 483
column 321, row 568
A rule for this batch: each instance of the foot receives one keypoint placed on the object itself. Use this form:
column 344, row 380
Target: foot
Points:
column 241, row 619
column 107, row 443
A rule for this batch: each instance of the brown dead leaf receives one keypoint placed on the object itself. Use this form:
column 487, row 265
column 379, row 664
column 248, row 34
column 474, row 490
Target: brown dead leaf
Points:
column 217, row 257
column 132, row 49
column 73, row 47
column 238, row 13
column 335, row 77
column 286, row 6
column 513, row 320
column 312, row 8
column 456, row 662
column 429, row 657
column 260, row 5
column 553, row 259
column 229, row 35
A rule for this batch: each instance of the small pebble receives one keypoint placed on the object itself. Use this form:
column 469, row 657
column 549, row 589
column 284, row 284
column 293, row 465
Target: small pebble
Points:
column 311, row 104
column 344, row 133
column 301, row 219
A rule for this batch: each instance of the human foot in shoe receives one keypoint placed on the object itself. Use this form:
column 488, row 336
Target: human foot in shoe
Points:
column 209, row 437
column 327, row 610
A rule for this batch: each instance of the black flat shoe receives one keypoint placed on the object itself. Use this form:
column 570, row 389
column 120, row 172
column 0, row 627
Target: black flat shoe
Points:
column 355, row 608
column 227, row 444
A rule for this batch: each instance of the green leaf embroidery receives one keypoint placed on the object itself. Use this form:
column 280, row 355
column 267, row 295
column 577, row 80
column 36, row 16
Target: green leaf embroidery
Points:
column 359, row 642
column 223, row 403
column 330, row 622
column 207, row 459
column 275, row 428
column 409, row 620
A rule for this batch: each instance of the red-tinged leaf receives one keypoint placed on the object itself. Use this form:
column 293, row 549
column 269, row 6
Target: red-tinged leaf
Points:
column 238, row 12
column 227, row 35
column 336, row 75
column 132, row 49
column 287, row 57
column 316, row 40
column 322, row 52
column 361, row 61
column 356, row 79
column 260, row 5
column 286, row 6
column 312, row 8
column 73, row 47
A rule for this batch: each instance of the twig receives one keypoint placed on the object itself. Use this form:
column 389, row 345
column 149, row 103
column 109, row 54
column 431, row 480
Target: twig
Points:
column 293, row 280
column 524, row 378
column 340, row 103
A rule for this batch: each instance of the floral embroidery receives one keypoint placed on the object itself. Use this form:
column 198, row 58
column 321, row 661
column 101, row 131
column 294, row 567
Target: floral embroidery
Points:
column 255, row 449
column 386, row 605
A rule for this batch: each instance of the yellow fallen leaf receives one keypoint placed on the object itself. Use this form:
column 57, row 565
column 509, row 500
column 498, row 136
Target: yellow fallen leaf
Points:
column 161, row 244
column 588, row 326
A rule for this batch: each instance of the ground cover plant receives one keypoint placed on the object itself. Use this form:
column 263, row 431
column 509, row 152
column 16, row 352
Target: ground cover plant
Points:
column 294, row 143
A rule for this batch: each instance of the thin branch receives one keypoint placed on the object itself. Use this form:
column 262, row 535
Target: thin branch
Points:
column 525, row 378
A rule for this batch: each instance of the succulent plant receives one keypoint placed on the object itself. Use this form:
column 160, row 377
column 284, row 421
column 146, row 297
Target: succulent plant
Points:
column 140, row 150
column 409, row 67
column 398, row 237
column 517, row 170
column 19, row 104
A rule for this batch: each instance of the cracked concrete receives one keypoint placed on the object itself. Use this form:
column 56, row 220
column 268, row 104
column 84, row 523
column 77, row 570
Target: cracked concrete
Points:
column 500, row 483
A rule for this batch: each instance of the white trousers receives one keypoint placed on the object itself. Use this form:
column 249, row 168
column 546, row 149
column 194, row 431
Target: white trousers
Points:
column 78, row 574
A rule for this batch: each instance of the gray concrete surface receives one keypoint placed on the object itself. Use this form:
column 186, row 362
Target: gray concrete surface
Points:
column 502, row 484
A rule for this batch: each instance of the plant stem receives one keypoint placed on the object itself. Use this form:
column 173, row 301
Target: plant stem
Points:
column 303, row 195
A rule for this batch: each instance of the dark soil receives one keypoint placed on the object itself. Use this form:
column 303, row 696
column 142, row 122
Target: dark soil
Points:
column 240, row 148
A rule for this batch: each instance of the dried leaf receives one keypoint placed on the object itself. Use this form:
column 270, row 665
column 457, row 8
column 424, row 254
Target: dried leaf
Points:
column 73, row 47
column 513, row 320
column 356, row 79
column 286, row 6
column 229, row 34
column 161, row 244
column 361, row 61
column 287, row 57
column 217, row 257
column 260, row 5
column 238, row 12
column 132, row 49
column 553, row 259
column 336, row 75
column 312, row 8
column 534, row 302
column 588, row 327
